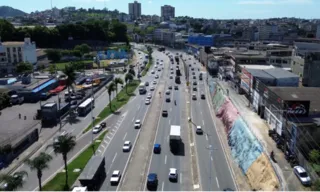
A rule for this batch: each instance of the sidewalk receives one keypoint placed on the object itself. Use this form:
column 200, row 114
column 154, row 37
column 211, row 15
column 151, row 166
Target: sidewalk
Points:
column 259, row 128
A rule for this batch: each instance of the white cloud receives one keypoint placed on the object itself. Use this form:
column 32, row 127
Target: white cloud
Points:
column 273, row 2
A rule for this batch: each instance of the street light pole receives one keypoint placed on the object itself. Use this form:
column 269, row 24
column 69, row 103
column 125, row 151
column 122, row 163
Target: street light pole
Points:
column 92, row 118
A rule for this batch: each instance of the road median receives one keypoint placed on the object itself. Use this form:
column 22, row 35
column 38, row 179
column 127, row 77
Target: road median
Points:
column 57, row 183
column 123, row 97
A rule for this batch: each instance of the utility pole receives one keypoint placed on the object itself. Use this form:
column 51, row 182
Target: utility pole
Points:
column 92, row 118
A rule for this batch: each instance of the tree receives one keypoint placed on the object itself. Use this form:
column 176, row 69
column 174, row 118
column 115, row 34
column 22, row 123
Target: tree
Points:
column 24, row 68
column 52, row 69
column 39, row 164
column 128, row 78
column 314, row 156
column 13, row 182
column 111, row 88
column 4, row 101
column 131, row 71
column 83, row 48
column 53, row 55
column 117, row 81
column 63, row 146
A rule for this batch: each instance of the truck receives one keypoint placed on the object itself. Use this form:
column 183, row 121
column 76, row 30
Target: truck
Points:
column 175, row 138
column 177, row 80
column 177, row 59
column 51, row 112
column 142, row 88
column 94, row 173
column 178, row 73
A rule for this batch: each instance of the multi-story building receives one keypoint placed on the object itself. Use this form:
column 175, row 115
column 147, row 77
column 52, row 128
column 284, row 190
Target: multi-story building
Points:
column 134, row 10
column 167, row 12
column 164, row 36
column 12, row 53
column 318, row 32
column 266, row 30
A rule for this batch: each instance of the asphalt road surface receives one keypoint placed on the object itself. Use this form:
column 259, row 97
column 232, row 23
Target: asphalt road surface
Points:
column 161, row 163
column 214, row 171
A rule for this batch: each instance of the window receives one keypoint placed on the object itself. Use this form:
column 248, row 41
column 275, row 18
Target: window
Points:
column 19, row 49
column 14, row 49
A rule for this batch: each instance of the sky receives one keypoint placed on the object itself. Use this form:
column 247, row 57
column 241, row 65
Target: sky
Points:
column 210, row 9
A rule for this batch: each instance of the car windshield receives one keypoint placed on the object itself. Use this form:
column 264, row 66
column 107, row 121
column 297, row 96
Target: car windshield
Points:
column 303, row 174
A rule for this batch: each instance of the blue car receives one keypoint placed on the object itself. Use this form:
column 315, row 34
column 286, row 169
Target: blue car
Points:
column 157, row 148
column 152, row 182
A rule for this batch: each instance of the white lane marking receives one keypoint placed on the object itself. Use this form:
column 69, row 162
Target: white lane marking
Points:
column 217, row 182
column 99, row 151
column 132, row 119
column 139, row 107
column 106, row 142
column 108, row 137
column 125, row 135
column 201, row 112
column 169, row 121
column 211, row 158
column 206, row 137
column 165, row 159
column 162, row 186
column 114, row 157
column 180, row 178
column 202, row 122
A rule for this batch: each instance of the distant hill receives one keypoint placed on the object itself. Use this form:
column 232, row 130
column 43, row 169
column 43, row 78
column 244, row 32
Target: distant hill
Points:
column 6, row 11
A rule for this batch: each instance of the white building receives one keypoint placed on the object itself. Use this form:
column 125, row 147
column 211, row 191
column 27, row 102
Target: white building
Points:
column 135, row 10
column 318, row 32
column 266, row 30
column 12, row 53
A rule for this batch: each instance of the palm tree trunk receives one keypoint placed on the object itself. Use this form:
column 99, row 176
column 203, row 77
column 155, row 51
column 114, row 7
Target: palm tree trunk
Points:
column 127, row 88
column 110, row 102
column 39, row 174
column 66, row 169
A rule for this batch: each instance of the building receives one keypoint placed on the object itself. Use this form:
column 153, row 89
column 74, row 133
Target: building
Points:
column 134, row 10
column 266, row 30
column 167, row 12
column 318, row 32
column 165, row 37
column 12, row 53
column 202, row 40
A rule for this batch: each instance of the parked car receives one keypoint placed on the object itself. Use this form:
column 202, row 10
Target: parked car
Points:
column 302, row 175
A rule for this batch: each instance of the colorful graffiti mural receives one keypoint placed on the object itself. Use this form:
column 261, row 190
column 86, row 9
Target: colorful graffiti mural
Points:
column 112, row 54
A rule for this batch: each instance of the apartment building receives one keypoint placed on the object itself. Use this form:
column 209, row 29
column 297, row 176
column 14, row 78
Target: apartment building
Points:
column 135, row 10
column 265, row 31
column 164, row 36
column 12, row 53
column 167, row 12
column 318, row 32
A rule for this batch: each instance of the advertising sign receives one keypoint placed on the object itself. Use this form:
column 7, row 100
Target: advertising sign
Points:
column 296, row 108
column 246, row 80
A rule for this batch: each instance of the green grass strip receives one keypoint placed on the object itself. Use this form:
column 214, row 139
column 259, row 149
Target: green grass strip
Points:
column 144, row 72
column 58, row 182
column 123, row 98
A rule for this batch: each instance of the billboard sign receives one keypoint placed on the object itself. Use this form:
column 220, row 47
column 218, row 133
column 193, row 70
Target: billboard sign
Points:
column 246, row 80
column 296, row 108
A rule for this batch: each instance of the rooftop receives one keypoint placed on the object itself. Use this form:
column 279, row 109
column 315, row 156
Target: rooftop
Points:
column 257, row 66
column 280, row 73
column 300, row 94
column 13, row 43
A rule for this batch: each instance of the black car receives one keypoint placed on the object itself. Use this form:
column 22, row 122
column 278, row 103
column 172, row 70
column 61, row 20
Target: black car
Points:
column 194, row 89
column 203, row 96
column 168, row 99
column 147, row 83
column 176, row 87
column 164, row 113
column 152, row 182
column 103, row 124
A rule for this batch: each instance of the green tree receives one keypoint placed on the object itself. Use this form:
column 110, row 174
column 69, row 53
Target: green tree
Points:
column 78, row 65
column 71, row 77
column 39, row 164
column 117, row 81
column 314, row 156
column 4, row 101
column 52, row 69
column 53, row 54
column 63, row 146
column 24, row 68
column 131, row 71
column 13, row 182
column 316, row 185
column 111, row 88
column 83, row 48
column 128, row 78
column 6, row 30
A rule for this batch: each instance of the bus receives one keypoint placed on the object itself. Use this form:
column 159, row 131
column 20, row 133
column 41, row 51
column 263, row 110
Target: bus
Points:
column 85, row 107
column 142, row 88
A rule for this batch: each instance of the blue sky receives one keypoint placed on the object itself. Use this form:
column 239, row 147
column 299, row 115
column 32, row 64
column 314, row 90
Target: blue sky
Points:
column 216, row 9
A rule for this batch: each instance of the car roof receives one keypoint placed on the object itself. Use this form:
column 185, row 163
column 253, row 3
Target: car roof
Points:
column 138, row 120
column 198, row 126
column 116, row 172
column 152, row 176
column 126, row 142
column 157, row 145
column 300, row 169
column 173, row 170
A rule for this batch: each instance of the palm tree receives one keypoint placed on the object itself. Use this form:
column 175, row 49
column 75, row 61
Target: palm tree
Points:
column 39, row 163
column 63, row 146
column 13, row 182
column 111, row 88
column 131, row 71
column 69, row 72
column 117, row 81
column 128, row 78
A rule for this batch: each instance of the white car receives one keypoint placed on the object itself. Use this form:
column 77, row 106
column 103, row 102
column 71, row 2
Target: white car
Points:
column 199, row 130
column 157, row 76
column 126, row 146
column 152, row 88
column 115, row 177
column 149, row 96
column 137, row 124
column 173, row 175
column 302, row 175
column 147, row 102
column 152, row 72
column 96, row 129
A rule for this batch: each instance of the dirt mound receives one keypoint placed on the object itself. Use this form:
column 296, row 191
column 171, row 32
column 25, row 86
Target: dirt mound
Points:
column 261, row 175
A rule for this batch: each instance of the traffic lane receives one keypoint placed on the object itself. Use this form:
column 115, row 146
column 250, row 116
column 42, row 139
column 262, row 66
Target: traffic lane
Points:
column 208, row 175
column 224, row 177
column 31, row 182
